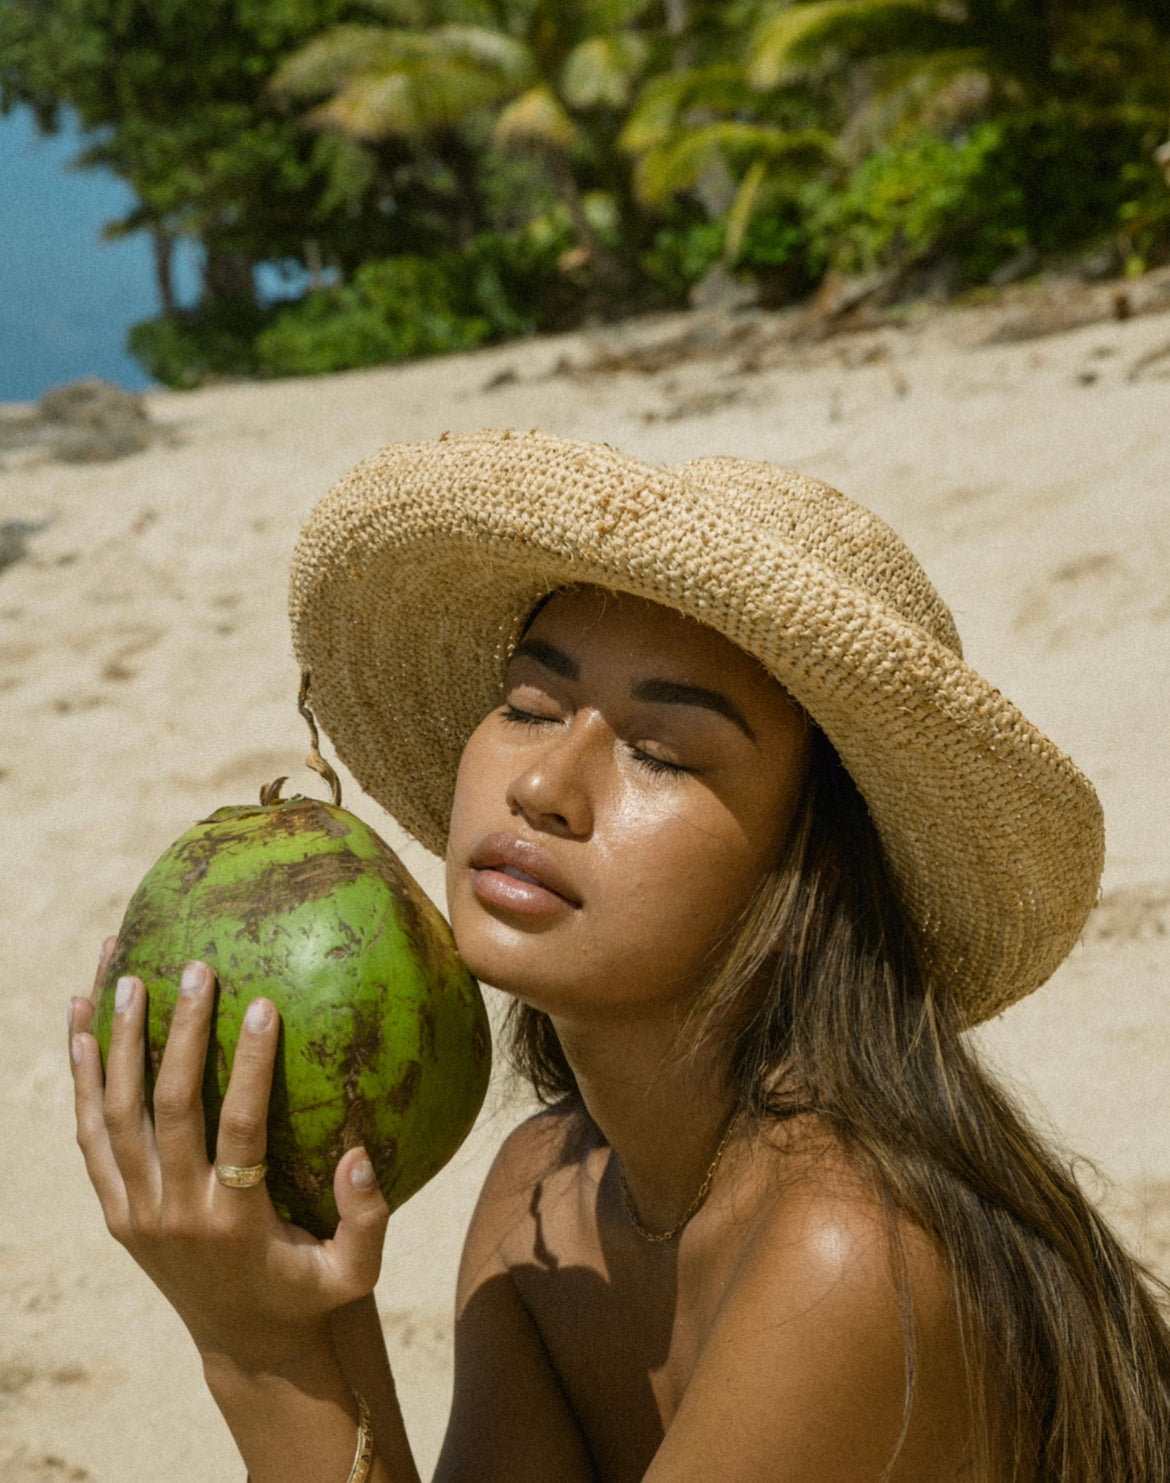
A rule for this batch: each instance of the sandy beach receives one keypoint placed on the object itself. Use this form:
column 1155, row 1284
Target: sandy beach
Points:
column 146, row 678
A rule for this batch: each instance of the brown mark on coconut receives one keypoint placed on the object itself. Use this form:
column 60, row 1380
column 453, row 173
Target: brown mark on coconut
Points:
column 291, row 816
column 403, row 1095
column 355, row 1130
column 262, row 896
column 410, row 904
column 383, row 1154
column 426, row 1031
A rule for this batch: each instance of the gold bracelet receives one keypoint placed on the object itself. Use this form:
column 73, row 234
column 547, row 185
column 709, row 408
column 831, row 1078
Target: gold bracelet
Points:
column 364, row 1456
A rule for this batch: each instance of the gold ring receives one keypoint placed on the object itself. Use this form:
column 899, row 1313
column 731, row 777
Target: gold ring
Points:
column 241, row 1176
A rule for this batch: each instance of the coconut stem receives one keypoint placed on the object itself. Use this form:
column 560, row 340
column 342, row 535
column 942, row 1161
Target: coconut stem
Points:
column 315, row 759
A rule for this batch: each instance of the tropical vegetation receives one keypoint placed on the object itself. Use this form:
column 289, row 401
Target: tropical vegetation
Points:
column 438, row 174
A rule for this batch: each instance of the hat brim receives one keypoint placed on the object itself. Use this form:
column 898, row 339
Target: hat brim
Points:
column 414, row 577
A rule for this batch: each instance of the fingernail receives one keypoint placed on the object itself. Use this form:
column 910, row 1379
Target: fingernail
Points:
column 192, row 979
column 259, row 1015
column 361, row 1176
column 75, row 1049
column 123, row 994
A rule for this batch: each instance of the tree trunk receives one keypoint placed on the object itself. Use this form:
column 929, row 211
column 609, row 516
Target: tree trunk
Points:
column 227, row 275
column 605, row 265
column 163, row 245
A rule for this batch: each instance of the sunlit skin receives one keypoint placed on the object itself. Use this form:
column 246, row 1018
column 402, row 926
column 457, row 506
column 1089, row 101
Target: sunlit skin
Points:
column 647, row 768
column 612, row 818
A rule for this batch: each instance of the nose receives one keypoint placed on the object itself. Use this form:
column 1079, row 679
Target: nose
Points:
column 554, row 788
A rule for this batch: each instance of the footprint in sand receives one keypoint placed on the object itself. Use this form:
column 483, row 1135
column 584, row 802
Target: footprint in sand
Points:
column 47, row 1468
column 21, row 1383
column 134, row 640
column 1088, row 598
column 1130, row 914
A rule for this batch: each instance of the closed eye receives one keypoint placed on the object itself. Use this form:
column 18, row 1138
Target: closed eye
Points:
column 516, row 716
column 657, row 765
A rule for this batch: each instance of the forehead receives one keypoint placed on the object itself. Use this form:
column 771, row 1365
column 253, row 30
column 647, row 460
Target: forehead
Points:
column 593, row 622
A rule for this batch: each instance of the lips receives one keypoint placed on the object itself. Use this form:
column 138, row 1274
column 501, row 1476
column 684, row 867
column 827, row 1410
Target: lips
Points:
column 519, row 874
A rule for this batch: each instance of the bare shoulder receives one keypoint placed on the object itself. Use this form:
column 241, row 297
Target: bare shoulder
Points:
column 510, row 1421
column 831, row 1292
column 820, row 1220
column 538, row 1158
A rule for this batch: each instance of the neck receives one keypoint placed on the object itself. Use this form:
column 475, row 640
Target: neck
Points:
column 662, row 1116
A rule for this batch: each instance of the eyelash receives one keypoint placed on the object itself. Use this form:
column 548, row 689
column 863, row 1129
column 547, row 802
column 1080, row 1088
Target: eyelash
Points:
column 513, row 716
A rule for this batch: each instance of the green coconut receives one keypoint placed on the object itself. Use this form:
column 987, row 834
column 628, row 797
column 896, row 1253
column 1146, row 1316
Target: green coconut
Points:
column 384, row 1041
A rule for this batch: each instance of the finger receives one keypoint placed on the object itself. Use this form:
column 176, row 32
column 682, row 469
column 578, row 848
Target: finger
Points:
column 179, row 1125
column 80, row 1015
column 124, row 1113
column 356, row 1248
column 92, row 1138
column 104, row 957
column 243, row 1120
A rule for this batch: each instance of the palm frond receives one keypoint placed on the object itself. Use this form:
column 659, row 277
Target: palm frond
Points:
column 408, row 100
column 507, row 57
column 600, row 71
column 740, row 215
column 678, row 166
column 398, row 82
column 789, row 39
column 329, row 60
column 535, row 117
column 664, row 100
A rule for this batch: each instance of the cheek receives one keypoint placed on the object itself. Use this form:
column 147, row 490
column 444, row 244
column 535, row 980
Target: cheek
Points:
column 688, row 885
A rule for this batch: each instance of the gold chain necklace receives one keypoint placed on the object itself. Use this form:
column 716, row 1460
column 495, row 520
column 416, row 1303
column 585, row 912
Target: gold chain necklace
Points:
column 696, row 1204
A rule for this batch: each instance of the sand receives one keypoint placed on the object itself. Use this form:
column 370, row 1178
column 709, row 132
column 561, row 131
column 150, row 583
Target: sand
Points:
column 147, row 678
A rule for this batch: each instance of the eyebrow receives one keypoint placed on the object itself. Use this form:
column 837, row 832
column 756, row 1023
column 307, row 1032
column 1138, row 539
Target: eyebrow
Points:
column 650, row 692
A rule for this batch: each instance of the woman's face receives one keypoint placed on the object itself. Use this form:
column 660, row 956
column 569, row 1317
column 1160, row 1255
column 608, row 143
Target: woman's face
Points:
column 614, row 814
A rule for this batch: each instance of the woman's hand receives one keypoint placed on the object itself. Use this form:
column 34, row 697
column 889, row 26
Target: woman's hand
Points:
column 252, row 1290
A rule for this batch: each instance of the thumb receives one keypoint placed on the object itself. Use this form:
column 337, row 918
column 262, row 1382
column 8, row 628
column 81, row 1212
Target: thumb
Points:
column 357, row 1242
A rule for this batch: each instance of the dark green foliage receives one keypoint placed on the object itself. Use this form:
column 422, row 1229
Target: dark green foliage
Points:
column 1044, row 179
column 1079, row 174
column 392, row 310
column 499, row 285
column 681, row 255
column 926, row 196
column 774, row 255
column 194, row 346
column 173, row 97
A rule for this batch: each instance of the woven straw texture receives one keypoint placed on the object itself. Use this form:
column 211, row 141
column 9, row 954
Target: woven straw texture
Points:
column 413, row 577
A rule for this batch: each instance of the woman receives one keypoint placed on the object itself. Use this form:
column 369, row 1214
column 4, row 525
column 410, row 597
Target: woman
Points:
column 749, row 845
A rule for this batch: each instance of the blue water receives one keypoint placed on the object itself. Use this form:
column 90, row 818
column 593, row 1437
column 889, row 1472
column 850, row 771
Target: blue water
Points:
column 68, row 298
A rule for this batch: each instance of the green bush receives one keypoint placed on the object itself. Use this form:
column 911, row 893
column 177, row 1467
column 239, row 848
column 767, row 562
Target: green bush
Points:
column 499, row 286
column 391, row 310
column 199, row 345
column 1052, row 179
column 681, row 255
column 928, row 195
column 1080, row 174
column 514, row 281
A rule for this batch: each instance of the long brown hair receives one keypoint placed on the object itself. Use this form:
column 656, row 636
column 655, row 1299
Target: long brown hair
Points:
column 1066, row 1343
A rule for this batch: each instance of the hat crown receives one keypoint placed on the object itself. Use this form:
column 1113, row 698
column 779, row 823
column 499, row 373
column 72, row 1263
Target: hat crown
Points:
column 849, row 542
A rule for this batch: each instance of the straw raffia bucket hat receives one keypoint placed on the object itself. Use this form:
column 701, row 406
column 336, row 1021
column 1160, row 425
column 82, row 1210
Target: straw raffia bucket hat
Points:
column 413, row 579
